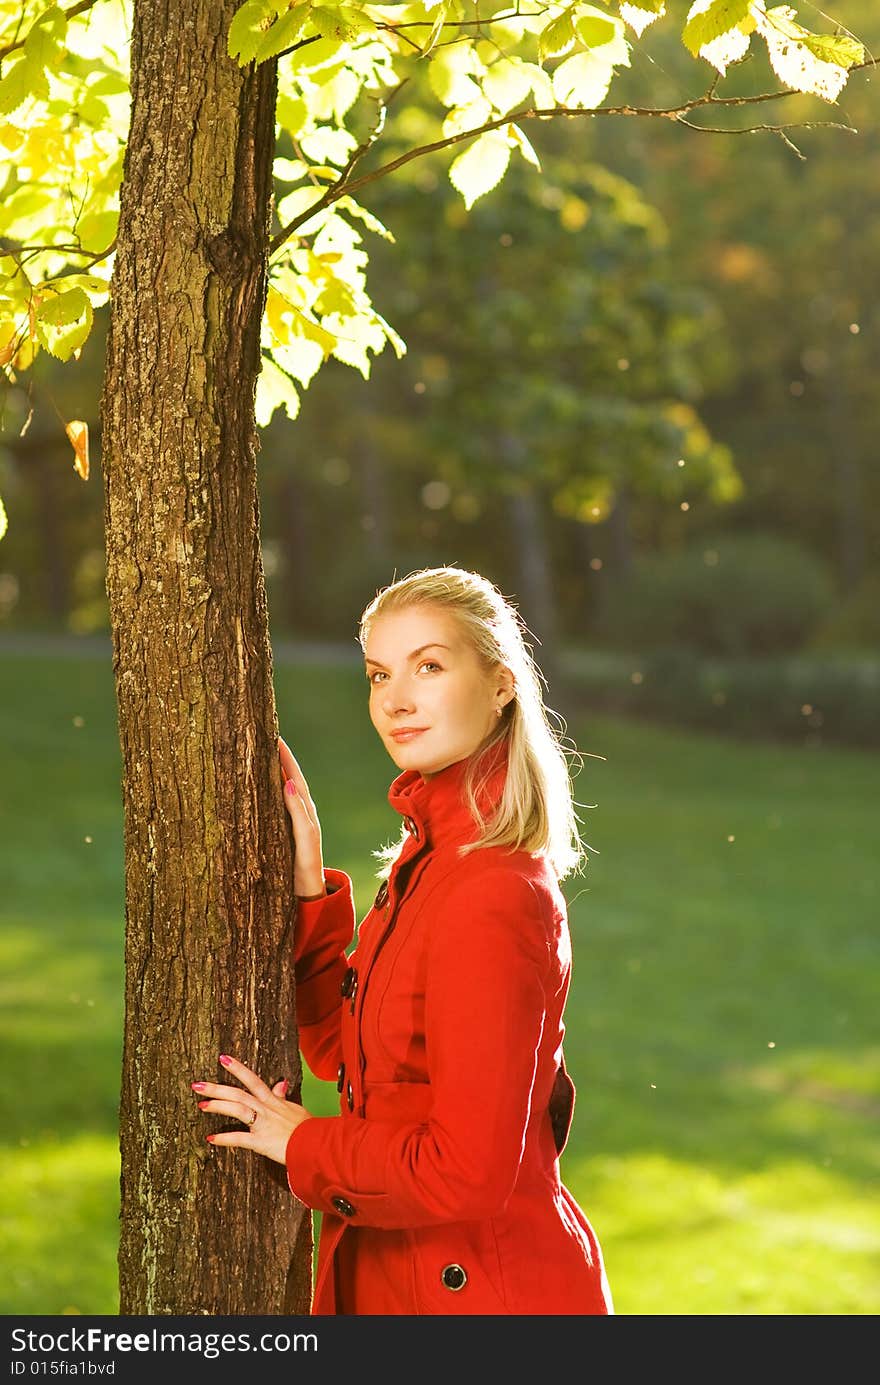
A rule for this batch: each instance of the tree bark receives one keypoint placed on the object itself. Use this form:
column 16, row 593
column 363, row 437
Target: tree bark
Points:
column 208, row 862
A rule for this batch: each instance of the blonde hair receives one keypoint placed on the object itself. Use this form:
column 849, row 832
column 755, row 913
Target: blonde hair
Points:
column 537, row 808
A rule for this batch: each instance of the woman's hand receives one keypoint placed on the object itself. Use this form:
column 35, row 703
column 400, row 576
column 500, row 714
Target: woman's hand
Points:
column 308, row 863
column 270, row 1120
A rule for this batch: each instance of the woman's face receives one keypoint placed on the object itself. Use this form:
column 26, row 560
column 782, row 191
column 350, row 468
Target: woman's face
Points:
column 431, row 699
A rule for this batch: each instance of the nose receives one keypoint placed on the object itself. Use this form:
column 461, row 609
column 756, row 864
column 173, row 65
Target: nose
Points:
column 397, row 697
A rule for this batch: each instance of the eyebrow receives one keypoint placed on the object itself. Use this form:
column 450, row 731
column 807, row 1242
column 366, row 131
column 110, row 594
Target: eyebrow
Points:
column 433, row 644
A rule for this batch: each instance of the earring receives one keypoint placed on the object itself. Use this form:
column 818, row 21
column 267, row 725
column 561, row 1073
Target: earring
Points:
column 499, row 710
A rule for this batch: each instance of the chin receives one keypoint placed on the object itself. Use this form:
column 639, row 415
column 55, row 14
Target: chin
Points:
column 414, row 757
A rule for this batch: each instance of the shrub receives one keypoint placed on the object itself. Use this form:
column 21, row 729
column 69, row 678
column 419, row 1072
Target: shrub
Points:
column 854, row 621
column 734, row 595
column 811, row 699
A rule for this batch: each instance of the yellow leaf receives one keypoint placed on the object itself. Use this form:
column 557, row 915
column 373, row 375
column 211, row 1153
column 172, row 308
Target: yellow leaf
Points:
column 78, row 432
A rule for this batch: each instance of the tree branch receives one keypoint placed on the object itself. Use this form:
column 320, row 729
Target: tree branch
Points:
column 345, row 185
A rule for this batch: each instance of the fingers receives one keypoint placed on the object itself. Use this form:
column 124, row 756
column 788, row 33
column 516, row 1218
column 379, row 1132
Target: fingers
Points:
column 236, row 1110
column 291, row 768
column 246, row 1077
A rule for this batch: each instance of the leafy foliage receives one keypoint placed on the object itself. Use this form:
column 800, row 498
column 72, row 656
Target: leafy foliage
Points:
column 64, row 118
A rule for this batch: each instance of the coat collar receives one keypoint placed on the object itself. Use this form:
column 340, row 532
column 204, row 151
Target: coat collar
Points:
column 437, row 808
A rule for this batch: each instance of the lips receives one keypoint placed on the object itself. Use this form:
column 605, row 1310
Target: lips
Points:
column 407, row 733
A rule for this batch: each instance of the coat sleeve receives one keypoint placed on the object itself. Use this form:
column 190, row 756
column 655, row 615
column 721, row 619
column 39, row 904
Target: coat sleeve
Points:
column 323, row 929
column 488, row 965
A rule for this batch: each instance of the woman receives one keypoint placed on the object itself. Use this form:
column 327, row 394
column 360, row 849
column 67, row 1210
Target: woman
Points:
column 439, row 1182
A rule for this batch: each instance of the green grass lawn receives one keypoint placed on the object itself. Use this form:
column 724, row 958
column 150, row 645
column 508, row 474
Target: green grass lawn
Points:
column 722, row 1026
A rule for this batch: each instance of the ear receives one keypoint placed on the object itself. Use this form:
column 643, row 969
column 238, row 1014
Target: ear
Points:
column 505, row 687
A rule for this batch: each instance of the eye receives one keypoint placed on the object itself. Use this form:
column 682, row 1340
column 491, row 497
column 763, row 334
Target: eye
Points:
column 429, row 663
column 371, row 677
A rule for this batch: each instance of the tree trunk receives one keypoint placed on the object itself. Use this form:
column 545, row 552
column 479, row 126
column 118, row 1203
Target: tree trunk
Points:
column 208, row 877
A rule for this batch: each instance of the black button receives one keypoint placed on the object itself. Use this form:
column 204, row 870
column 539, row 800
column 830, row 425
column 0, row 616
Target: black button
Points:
column 453, row 1277
column 381, row 895
column 411, row 827
column 340, row 1077
column 343, row 1206
column 349, row 982
column 350, row 1097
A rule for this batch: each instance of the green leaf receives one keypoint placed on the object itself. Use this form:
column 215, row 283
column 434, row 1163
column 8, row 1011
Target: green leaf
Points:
column 835, row 48
column 298, row 202
column 282, row 34
column 111, row 84
column 64, row 308
column 342, row 22
column 557, row 37
column 718, row 19
column 247, row 30
column 371, row 222
column 338, row 298
column 793, row 59
column 328, row 145
column 523, row 144
column 22, row 79
column 638, row 14
column 275, row 390
column 313, row 331
column 64, row 322
column 593, row 28
column 96, row 230
column 507, row 84
column 451, row 73
column 481, row 167
column 291, row 113
column 300, row 358
column 94, row 287
column 289, row 170
column 582, row 80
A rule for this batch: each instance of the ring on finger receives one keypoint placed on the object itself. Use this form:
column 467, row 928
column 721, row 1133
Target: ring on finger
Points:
column 249, row 1120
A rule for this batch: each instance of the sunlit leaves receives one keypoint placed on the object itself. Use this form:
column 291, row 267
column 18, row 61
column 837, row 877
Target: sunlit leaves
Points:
column 63, row 122
column 507, row 83
column 710, row 19
column 557, row 37
column 640, row 13
column 454, row 73
column 63, row 321
column 582, row 80
column 805, row 61
column 518, row 139
column 481, row 167
column 720, row 31
column 282, row 34
column 248, row 28
column 275, row 390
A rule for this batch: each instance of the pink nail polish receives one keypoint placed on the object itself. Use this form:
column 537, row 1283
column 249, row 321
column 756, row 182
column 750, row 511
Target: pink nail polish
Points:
column 198, row 1086
column 290, row 787
column 225, row 1059
column 203, row 1105
column 286, row 1086
column 210, row 1139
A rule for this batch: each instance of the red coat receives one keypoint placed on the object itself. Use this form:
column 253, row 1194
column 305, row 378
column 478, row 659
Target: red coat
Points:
column 439, row 1182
